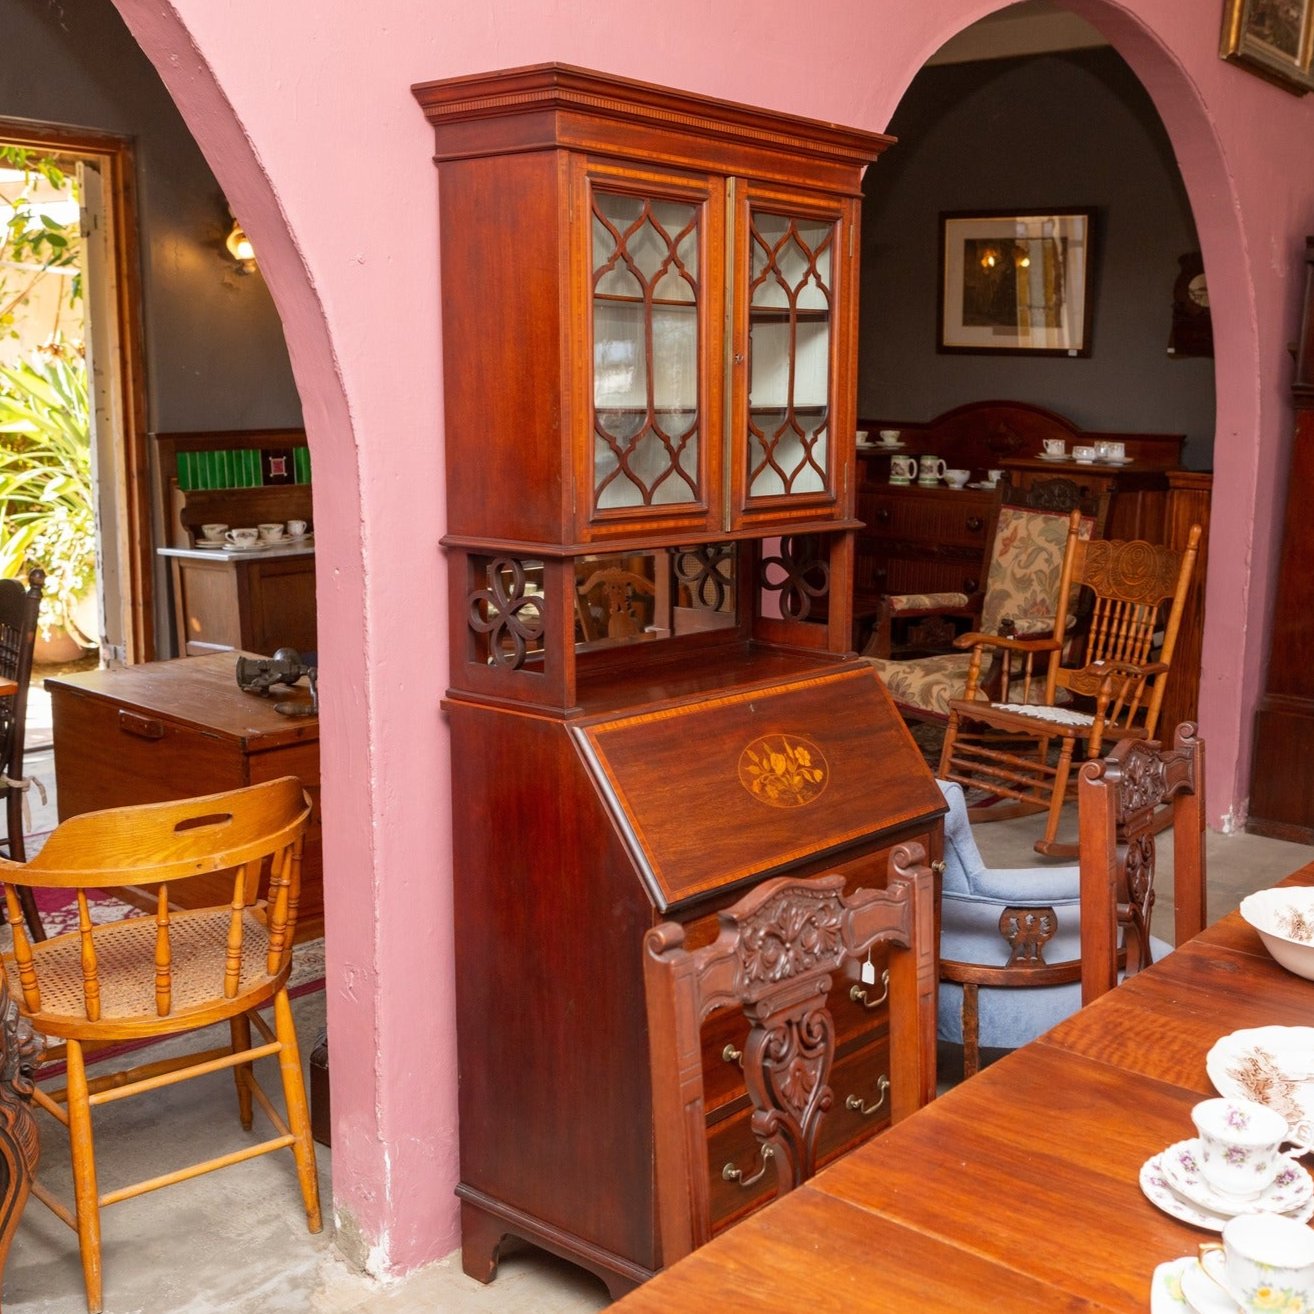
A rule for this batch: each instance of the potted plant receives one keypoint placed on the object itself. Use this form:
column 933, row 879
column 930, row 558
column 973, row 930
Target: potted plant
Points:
column 47, row 499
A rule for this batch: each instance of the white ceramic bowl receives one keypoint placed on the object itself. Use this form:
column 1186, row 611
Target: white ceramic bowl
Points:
column 1284, row 918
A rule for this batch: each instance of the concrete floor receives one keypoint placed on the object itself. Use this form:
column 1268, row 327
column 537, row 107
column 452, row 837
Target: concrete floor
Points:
column 235, row 1241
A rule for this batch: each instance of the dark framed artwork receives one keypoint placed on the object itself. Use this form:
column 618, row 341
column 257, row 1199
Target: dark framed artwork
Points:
column 1192, row 332
column 1274, row 38
column 1016, row 281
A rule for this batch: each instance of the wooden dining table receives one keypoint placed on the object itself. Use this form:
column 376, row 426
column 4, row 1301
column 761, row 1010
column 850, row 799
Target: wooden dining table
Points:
column 1017, row 1190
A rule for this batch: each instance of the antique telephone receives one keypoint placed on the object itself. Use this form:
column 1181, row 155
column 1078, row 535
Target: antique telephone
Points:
column 259, row 675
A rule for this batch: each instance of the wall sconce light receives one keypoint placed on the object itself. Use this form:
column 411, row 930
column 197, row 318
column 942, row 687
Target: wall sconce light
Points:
column 240, row 248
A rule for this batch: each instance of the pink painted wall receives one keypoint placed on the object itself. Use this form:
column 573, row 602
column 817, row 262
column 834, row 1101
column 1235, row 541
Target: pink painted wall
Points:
column 306, row 117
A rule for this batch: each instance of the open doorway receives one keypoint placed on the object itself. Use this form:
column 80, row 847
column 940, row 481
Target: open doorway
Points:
column 71, row 357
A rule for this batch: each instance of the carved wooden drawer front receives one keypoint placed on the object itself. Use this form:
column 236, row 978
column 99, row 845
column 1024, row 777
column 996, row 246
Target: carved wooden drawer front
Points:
column 858, row 1110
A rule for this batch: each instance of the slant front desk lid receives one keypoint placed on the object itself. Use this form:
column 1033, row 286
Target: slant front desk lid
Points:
column 713, row 792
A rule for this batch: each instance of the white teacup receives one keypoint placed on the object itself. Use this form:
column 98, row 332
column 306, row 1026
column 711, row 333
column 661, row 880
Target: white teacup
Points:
column 889, row 436
column 296, row 528
column 213, row 533
column 957, row 478
column 1083, row 455
column 271, row 532
column 1111, row 451
column 994, row 476
column 1240, row 1142
column 1265, row 1263
column 903, row 469
column 243, row 537
column 1055, row 446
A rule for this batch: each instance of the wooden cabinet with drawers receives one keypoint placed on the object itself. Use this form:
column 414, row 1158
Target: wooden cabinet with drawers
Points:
column 650, row 303
column 175, row 729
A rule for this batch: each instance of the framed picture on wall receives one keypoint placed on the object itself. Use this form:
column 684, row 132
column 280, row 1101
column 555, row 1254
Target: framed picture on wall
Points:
column 1274, row 38
column 1016, row 282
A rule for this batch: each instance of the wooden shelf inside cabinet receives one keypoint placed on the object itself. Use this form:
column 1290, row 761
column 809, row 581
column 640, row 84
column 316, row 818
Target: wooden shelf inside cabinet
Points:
column 651, row 581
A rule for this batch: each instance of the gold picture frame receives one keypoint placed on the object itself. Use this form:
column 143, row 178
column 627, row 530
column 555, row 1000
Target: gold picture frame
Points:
column 1274, row 38
column 1016, row 282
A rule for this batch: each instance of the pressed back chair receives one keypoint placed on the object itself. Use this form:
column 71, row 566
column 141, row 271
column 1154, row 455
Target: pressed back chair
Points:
column 1106, row 680
column 774, row 958
column 168, row 972
column 1022, row 948
column 19, row 608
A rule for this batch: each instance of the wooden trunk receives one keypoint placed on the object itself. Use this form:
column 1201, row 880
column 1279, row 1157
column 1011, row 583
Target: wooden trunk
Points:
column 169, row 730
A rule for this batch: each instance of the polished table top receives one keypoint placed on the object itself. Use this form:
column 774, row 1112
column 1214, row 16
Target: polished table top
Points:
column 1017, row 1190
column 7, row 687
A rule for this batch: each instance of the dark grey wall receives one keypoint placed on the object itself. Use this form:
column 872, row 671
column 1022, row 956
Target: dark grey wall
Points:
column 1055, row 130
column 214, row 348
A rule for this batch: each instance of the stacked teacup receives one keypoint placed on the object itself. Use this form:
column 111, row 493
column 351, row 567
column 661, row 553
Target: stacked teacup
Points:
column 1234, row 1177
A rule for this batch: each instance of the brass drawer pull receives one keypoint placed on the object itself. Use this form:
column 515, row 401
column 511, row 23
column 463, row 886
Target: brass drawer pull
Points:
column 975, row 524
column 859, row 995
column 732, row 1174
column 855, row 1103
column 733, row 1055
column 144, row 727
column 938, row 867
column 883, row 514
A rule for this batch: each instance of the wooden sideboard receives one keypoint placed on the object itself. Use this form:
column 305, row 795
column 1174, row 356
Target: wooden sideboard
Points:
column 167, row 730
column 256, row 601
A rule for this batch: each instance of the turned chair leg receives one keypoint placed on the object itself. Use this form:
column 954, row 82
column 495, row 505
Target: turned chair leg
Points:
column 971, row 1030
column 85, row 1192
column 1062, row 771
column 240, row 1029
column 298, row 1110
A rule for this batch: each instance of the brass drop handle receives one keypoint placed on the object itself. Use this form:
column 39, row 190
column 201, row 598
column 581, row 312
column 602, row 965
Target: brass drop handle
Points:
column 975, row 524
column 970, row 585
column 855, row 1103
column 733, row 1055
column 883, row 514
column 859, row 995
column 732, row 1174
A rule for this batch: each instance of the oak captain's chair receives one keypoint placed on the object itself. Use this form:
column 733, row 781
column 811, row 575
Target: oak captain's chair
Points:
column 1020, row 598
column 170, row 971
column 1022, row 948
column 1108, row 682
column 775, row 957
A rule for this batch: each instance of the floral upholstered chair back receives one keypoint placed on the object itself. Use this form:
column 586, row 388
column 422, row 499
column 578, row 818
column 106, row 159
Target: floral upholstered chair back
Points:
column 1023, row 582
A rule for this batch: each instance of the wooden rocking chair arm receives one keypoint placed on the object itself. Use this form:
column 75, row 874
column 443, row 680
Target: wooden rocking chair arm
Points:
column 974, row 640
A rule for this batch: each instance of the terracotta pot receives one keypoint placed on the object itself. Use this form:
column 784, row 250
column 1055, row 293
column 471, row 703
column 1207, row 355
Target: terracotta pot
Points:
column 56, row 647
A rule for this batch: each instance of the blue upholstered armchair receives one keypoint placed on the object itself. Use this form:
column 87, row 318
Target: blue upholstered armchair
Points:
column 1010, row 944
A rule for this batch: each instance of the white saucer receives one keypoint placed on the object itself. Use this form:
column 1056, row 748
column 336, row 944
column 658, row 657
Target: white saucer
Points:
column 1049, row 456
column 247, row 547
column 1204, row 1295
column 1084, row 460
column 1166, row 1286
column 1268, row 1065
column 881, row 447
column 1114, row 460
column 1290, row 1189
column 985, row 483
column 212, row 544
column 1158, row 1189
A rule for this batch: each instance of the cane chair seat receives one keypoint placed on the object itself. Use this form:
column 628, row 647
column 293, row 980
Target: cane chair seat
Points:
column 128, row 995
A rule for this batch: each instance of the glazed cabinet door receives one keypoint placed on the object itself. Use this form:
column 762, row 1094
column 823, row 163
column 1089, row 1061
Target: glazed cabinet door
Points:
column 792, row 363
column 648, row 376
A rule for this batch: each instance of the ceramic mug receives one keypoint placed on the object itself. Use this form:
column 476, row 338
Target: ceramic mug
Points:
column 930, row 469
column 271, row 532
column 1240, row 1142
column 1265, row 1263
column 243, row 537
column 1055, row 446
column 957, row 478
column 213, row 533
column 889, row 437
column 903, row 469
column 296, row 528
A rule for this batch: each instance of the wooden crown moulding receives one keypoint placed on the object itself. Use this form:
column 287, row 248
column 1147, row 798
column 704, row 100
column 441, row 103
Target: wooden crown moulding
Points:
column 546, row 106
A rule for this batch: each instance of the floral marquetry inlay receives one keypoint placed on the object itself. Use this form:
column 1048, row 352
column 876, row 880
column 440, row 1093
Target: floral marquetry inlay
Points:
column 783, row 771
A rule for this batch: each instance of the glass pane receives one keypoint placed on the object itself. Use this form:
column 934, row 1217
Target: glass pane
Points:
column 646, row 351
column 789, row 344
